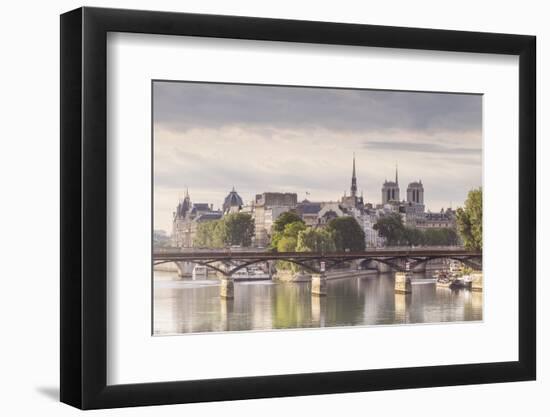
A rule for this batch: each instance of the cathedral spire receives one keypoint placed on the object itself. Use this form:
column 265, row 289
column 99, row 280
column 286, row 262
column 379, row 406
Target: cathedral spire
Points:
column 396, row 178
column 353, row 179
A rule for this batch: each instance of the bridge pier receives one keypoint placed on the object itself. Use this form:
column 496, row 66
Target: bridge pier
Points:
column 318, row 309
column 403, row 283
column 319, row 284
column 227, row 287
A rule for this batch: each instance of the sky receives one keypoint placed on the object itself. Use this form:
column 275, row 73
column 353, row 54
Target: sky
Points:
column 210, row 138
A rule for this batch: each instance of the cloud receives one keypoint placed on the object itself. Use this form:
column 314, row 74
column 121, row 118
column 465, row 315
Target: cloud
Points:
column 186, row 105
column 420, row 147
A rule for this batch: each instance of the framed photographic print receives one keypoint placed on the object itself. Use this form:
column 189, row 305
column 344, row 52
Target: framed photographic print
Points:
column 257, row 207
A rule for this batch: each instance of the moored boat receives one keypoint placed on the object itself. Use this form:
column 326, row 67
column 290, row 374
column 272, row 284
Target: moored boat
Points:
column 250, row 274
column 200, row 272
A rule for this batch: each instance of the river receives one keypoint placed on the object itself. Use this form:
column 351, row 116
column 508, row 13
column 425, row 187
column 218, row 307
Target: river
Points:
column 186, row 306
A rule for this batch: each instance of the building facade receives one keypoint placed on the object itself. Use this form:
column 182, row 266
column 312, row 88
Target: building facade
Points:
column 390, row 190
column 186, row 218
column 267, row 208
column 445, row 219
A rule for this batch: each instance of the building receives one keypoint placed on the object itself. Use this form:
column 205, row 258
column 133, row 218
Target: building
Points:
column 415, row 193
column 367, row 221
column 232, row 203
column 267, row 208
column 309, row 212
column 414, row 207
column 186, row 219
column 390, row 190
column 445, row 219
column 330, row 211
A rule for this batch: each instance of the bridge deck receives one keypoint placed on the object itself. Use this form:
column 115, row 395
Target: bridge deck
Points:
column 263, row 255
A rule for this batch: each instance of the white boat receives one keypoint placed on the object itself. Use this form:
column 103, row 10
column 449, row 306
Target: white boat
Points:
column 250, row 274
column 455, row 267
column 200, row 272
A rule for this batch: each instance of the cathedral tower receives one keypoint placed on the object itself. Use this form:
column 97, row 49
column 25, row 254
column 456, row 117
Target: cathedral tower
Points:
column 390, row 189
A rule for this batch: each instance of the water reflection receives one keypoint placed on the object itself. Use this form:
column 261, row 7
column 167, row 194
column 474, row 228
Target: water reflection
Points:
column 186, row 306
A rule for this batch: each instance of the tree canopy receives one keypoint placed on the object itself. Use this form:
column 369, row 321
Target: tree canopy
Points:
column 235, row 229
column 238, row 229
column 347, row 234
column 392, row 228
column 285, row 218
column 470, row 220
column 279, row 227
column 315, row 240
column 287, row 240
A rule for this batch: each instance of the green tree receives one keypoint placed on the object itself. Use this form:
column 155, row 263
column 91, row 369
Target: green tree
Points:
column 287, row 241
column 238, row 229
column 287, row 244
column 289, row 237
column 290, row 230
column 210, row 234
column 315, row 240
column 435, row 237
column 285, row 218
column 391, row 228
column 413, row 237
column 347, row 234
column 470, row 220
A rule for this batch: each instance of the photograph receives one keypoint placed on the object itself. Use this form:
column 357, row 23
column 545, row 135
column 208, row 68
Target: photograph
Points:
column 291, row 207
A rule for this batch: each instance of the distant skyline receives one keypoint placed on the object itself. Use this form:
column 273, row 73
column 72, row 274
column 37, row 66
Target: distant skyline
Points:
column 212, row 137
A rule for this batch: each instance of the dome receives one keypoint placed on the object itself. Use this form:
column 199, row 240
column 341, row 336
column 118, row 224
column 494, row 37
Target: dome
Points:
column 233, row 199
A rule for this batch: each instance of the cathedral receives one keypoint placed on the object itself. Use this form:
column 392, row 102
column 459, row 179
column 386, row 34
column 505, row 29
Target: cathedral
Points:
column 353, row 200
column 390, row 190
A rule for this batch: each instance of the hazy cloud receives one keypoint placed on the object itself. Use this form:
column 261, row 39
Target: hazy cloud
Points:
column 187, row 105
column 420, row 147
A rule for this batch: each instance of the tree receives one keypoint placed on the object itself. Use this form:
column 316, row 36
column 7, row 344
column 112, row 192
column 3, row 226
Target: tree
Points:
column 440, row 237
column 470, row 220
column 287, row 241
column 315, row 240
column 391, row 228
column 210, row 234
column 287, row 244
column 285, row 218
column 289, row 230
column 347, row 234
column 238, row 229
column 413, row 237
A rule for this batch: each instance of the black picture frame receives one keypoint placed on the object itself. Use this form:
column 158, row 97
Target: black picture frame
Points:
column 84, row 207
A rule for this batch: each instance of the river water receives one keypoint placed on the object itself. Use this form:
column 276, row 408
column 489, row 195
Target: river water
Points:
column 187, row 306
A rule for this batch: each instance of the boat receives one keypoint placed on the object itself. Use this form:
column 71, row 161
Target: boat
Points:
column 200, row 272
column 251, row 274
column 240, row 275
column 465, row 281
column 448, row 279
